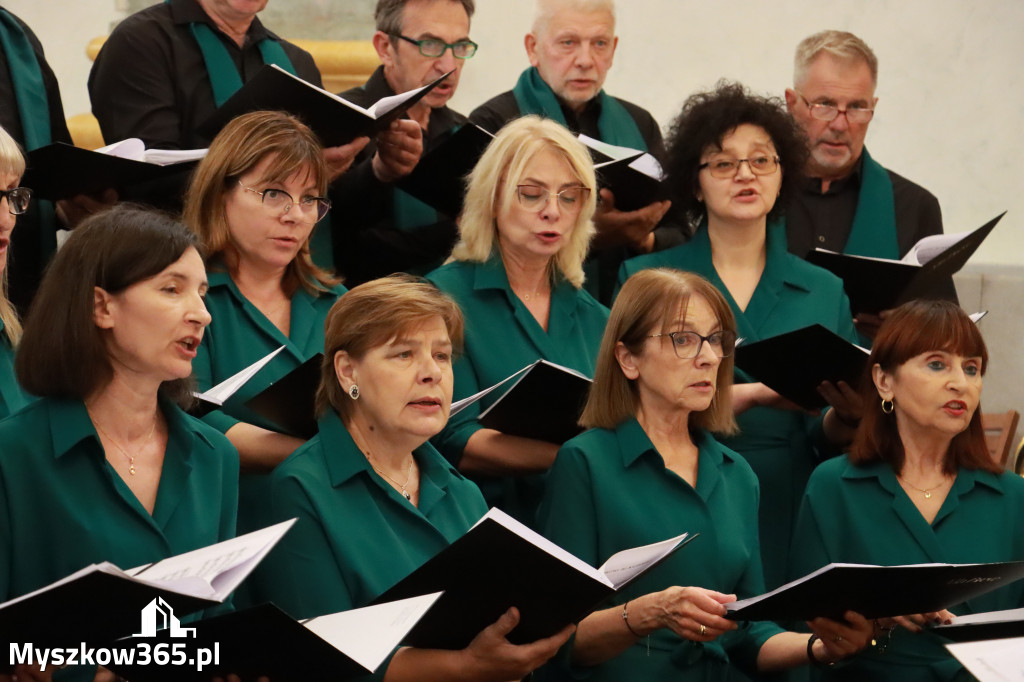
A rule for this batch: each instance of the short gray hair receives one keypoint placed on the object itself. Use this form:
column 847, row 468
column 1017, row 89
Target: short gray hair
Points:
column 547, row 9
column 388, row 14
column 840, row 44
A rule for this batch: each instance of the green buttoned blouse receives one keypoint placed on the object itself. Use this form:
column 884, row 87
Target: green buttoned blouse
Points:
column 12, row 398
column 860, row 514
column 64, row 507
column 609, row 490
column 780, row 445
column 356, row 536
column 502, row 337
column 239, row 335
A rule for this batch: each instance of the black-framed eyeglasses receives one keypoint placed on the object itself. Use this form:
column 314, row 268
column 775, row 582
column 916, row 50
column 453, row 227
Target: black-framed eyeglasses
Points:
column 279, row 202
column 435, row 47
column 17, row 199
column 829, row 112
column 727, row 168
column 687, row 344
column 535, row 198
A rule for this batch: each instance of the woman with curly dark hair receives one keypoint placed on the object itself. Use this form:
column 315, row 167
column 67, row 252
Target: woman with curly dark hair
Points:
column 732, row 158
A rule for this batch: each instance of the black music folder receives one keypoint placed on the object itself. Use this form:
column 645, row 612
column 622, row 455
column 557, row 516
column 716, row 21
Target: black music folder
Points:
column 60, row 171
column 876, row 284
column 439, row 179
column 335, row 120
column 980, row 626
column 876, row 591
column 542, row 401
column 500, row 563
column 266, row 641
column 101, row 602
column 290, row 402
column 794, row 363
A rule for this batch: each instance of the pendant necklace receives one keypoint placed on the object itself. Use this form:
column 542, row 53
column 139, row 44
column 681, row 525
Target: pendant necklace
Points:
column 926, row 491
column 405, row 493
column 130, row 458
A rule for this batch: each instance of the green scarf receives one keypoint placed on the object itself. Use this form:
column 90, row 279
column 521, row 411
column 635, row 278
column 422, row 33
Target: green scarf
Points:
column 224, row 76
column 874, row 224
column 27, row 78
column 616, row 126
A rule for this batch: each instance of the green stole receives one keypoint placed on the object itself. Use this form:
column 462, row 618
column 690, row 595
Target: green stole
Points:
column 27, row 78
column 224, row 76
column 874, row 223
column 34, row 111
column 616, row 126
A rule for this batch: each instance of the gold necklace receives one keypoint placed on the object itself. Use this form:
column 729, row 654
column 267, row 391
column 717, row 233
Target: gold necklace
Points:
column 130, row 458
column 405, row 493
column 927, row 491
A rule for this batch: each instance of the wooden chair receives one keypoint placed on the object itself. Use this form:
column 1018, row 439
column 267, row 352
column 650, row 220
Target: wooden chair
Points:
column 1000, row 430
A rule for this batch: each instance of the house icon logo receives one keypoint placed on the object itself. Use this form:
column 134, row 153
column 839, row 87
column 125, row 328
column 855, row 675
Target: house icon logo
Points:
column 158, row 615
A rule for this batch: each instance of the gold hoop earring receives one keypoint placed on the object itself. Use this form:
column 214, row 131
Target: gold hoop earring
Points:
column 889, row 404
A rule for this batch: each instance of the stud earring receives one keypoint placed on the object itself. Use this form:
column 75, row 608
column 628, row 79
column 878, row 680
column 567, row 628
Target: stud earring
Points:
column 353, row 392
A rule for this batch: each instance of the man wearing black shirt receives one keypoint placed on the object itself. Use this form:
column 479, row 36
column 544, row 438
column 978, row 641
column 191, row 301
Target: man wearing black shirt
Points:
column 377, row 228
column 571, row 47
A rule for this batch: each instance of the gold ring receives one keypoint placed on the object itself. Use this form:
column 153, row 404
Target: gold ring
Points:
column 703, row 629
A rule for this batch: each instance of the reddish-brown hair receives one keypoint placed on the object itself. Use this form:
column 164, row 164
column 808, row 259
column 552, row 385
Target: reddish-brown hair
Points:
column 912, row 329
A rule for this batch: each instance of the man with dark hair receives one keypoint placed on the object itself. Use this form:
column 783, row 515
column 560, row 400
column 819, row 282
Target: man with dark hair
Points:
column 571, row 47
column 380, row 229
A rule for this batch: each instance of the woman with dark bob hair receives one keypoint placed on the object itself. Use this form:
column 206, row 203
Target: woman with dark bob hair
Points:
column 918, row 485
column 732, row 157
column 649, row 468
column 106, row 466
column 254, row 201
column 373, row 498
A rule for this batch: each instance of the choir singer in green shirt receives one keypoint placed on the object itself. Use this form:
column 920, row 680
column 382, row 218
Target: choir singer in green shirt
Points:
column 254, row 201
column 374, row 500
column 918, row 486
column 105, row 466
column 12, row 165
column 517, row 274
column 650, row 469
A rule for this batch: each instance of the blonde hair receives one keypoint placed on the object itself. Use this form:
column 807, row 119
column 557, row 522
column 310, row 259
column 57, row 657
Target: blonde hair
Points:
column 840, row 44
column 547, row 9
column 372, row 314
column 242, row 145
column 648, row 302
column 492, row 188
column 12, row 162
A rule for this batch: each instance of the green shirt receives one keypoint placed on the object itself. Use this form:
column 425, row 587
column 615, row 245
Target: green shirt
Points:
column 356, row 536
column 862, row 515
column 502, row 337
column 12, row 398
column 239, row 335
column 779, row 444
column 64, row 507
column 609, row 490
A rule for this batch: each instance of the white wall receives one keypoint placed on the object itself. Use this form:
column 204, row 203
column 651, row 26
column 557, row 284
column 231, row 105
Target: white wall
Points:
column 948, row 117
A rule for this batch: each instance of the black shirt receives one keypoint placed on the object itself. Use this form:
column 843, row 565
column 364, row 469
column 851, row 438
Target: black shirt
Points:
column 817, row 220
column 150, row 81
column 499, row 110
column 28, row 255
column 367, row 244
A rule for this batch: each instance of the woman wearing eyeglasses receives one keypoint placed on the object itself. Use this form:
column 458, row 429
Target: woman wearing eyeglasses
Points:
column 517, row 273
column 650, row 469
column 254, row 201
column 12, row 165
column 732, row 159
